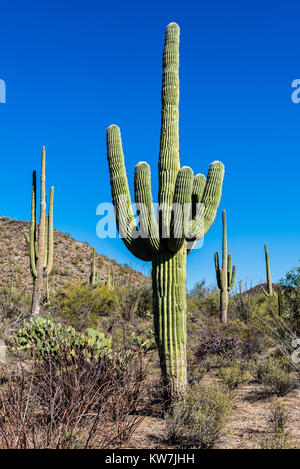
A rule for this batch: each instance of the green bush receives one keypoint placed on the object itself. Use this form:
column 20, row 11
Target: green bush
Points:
column 233, row 376
column 274, row 376
column 81, row 302
column 144, row 341
column 199, row 419
column 47, row 339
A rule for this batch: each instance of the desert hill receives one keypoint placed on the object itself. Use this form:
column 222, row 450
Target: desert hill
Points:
column 72, row 260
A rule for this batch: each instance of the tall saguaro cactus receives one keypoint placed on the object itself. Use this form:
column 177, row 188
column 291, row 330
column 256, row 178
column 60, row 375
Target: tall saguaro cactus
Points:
column 40, row 240
column 225, row 279
column 163, row 241
column 269, row 291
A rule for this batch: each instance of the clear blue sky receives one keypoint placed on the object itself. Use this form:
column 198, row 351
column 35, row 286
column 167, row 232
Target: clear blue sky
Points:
column 72, row 68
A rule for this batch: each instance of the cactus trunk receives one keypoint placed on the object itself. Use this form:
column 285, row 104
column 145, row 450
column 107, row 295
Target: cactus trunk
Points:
column 224, row 306
column 169, row 307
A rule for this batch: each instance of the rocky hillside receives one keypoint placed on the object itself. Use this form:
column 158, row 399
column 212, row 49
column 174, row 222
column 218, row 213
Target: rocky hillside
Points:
column 71, row 260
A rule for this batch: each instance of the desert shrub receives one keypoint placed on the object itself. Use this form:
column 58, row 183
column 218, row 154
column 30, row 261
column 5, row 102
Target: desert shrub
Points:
column 82, row 305
column 214, row 343
column 91, row 404
column 277, row 422
column 234, row 341
column 233, row 376
column 278, row 418
column 47, row 339
column 12, row 309
column 135, row 300
column 278, row 440
column 195, row 374
column 291, row 293
column 203, row 298
column 275, row 378
column 199, row 419
column 143, row 341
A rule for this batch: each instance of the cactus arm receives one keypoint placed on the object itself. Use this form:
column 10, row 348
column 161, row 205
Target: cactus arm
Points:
column 224, row 244
column 46, row 241
column 182, row 196
column 42, row 224
column 169, row 165
column 197, row 194
column 125, row 220
column 212, row 193
column 229, row 262
column 210, row 200
column 268, row 271
column 27, row 238
column 50, row 235
column 32, row 243
column 143, row 199
column 36, row 250
column 232, row 280
column 217, row 267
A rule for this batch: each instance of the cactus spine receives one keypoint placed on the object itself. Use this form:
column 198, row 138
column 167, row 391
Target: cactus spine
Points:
column 159, row 241
column 269, row 291
column 225, row 279
column 40, row 241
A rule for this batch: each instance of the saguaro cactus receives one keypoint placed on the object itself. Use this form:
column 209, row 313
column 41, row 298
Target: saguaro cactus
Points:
column 40, row 240
column 269, row 291
column 94, row 274
column 225, row 279
column 93, row 269
column 162, row 242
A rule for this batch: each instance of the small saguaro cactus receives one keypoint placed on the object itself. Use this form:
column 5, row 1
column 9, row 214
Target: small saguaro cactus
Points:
column 269, row 291
column 93, row 269
column 163, row 241
column 280, row 300
column 94, row 275
column 225, row 279
column 40, row 240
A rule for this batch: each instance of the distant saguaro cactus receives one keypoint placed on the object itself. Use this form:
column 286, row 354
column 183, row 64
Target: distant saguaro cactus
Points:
column 163, row 241
column 269, row 291
column 225, row 279
column 280, row 300
column 40, row 241
column 94, row 275
column 93, row 270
